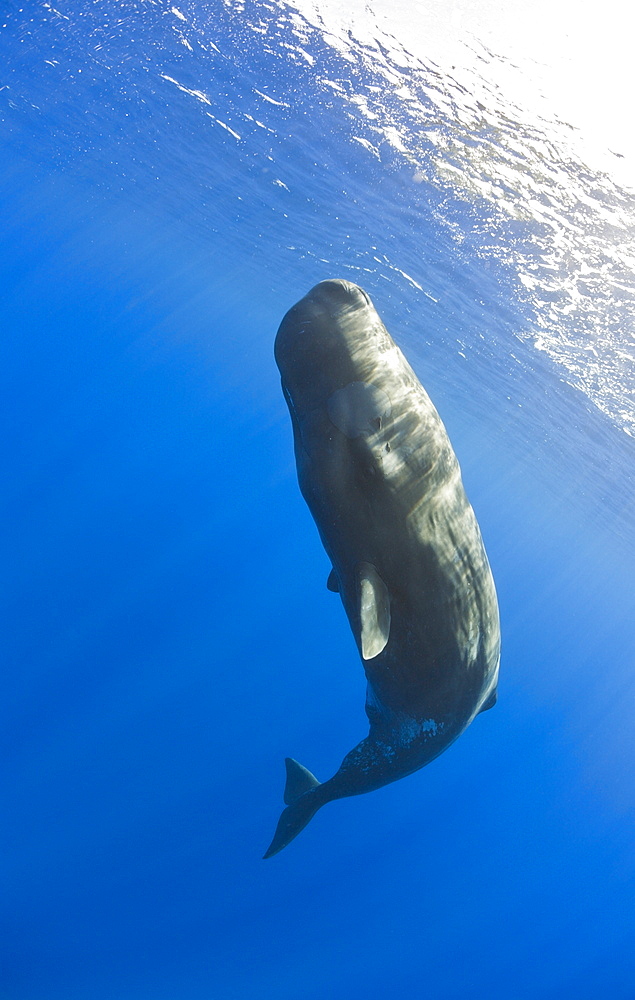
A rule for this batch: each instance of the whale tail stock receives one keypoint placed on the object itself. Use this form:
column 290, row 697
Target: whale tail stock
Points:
column 302, row 804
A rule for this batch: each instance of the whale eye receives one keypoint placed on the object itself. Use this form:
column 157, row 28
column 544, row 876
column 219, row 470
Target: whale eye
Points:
column 367, row 470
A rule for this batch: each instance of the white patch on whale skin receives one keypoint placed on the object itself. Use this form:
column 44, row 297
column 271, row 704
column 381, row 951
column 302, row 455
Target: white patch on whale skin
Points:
column 429, row 726
column 414, row 728
column 408, row 731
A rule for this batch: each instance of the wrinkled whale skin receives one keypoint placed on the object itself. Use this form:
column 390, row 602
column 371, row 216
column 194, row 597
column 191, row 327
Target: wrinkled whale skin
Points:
column 377, row 470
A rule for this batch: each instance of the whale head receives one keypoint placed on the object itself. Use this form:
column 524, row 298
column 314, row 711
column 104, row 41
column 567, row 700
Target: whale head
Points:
column 316, row 339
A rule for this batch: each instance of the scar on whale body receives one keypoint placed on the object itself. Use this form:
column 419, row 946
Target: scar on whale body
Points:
column 377, row 470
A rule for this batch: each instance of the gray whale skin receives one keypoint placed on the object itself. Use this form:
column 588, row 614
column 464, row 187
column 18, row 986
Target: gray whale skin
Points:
column 381, row 480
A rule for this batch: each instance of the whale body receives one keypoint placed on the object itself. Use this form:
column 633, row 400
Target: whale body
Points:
column 377, row 470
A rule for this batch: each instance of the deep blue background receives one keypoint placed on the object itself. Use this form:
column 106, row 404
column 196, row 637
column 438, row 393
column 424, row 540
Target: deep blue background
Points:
column 168, row 636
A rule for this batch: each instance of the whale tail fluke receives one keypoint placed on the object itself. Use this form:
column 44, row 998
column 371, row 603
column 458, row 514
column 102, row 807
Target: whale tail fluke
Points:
column 302, row 804
column 299, row 781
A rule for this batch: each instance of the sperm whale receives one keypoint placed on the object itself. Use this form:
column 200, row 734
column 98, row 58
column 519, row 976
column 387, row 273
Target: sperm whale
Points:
column 377, row 470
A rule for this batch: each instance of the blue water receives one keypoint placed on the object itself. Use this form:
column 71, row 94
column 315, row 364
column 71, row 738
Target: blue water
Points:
column 173, row 179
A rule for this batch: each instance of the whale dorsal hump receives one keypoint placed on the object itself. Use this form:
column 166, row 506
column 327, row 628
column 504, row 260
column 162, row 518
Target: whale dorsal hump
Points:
column 332, row 583
column 374, row 611
column 299, row 781
column 491, row 701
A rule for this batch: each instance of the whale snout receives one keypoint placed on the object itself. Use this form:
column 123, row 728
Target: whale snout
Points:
column 337, row 293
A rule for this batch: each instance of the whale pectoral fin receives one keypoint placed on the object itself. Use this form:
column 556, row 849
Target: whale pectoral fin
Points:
column 299, row 781
column 491, row 701
column 374, row 611
column 332, row 583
